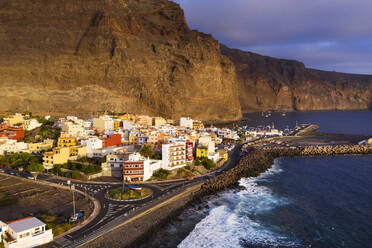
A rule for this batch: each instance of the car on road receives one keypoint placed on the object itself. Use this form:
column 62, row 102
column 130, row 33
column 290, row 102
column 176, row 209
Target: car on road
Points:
column 2, row 171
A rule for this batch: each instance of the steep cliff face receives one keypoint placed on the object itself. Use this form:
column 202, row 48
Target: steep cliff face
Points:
column 81, row 56
column 277, row 84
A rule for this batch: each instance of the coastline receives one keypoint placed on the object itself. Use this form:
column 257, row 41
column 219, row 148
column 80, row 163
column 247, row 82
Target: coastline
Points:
column 142, row 228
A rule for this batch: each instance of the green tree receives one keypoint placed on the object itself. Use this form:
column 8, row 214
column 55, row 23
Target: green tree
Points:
column 25, row 156
column 34, row 160
column 147, row 150
column 35, row 168
column 208, row 164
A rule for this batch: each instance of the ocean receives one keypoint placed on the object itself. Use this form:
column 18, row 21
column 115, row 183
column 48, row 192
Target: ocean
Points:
column 299, row 202
column 345, row 122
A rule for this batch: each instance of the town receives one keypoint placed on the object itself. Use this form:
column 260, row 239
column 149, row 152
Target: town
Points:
column 110, row 147
column 115, row 166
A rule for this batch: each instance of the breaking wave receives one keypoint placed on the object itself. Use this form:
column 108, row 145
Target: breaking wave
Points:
column 232, row 220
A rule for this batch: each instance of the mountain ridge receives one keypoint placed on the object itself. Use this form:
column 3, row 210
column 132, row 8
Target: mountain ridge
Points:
column 80, row 57
column 282, row 84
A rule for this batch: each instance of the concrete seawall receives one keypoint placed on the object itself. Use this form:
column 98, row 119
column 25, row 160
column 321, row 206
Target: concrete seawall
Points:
column 260, row 160
column 256, row 162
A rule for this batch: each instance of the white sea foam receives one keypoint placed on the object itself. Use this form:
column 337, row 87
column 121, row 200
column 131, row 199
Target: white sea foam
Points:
column 231, row 219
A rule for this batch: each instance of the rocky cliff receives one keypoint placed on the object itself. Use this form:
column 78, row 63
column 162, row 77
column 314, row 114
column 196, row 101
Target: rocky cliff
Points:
column 267, row 83
column 82, row 56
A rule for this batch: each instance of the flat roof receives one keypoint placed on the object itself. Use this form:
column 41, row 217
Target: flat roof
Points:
column 25, row 224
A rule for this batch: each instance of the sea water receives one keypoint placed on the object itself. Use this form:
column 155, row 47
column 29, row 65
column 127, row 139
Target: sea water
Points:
column 345, row 122
column 300, row 202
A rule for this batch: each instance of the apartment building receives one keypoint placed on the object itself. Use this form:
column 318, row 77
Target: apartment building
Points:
column 41, row 146
column 14, row 119
column 59, row 155
column 113, row 167
column 174, row 155
column 186, row 122
column 31, row 124
column 92, row 143
column 197, row 125
column 14, row 133
column 139, row 169
column 66, row 140
column 12, row 146
column 111, row 140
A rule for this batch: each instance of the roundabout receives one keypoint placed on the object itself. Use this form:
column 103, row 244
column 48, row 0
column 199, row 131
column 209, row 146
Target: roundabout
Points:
column 130, row 194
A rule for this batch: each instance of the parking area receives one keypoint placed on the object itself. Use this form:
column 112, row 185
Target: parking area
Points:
column 21, row 198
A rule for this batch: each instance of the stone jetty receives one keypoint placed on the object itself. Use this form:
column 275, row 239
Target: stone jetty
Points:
column 260, row 160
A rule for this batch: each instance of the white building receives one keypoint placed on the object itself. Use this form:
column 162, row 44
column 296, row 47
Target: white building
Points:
column 24, row 233
column 127, row 125
column 113, row 167
column 73, row 129
column 214, row 156
column 138, row 168
column 186, row 122
column 142, row 139
column 92, row 143
column 12, row 146
column 31, row 124
column 174, row 155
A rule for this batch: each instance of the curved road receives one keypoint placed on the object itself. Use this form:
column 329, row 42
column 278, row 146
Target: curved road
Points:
column 113, row 213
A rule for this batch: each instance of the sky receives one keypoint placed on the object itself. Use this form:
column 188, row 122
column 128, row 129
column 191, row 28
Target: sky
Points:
column 334, row 35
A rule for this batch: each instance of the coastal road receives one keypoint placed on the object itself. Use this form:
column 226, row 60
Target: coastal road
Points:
column 112, row 212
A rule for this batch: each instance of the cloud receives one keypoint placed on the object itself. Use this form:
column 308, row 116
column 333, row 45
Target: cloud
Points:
column 324, row 34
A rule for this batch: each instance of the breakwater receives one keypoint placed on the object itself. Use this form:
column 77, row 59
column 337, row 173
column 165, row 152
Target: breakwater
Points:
column 257, row 161
column 260, row 160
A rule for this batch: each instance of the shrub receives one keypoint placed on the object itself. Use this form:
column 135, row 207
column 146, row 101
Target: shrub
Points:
column 161, row 174
column 208, row 164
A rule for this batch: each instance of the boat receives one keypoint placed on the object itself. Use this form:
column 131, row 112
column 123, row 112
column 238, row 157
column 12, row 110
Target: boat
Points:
column 284, row 114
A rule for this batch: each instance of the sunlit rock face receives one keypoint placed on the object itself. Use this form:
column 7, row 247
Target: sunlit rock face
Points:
column 278, row 84
column 79, row 56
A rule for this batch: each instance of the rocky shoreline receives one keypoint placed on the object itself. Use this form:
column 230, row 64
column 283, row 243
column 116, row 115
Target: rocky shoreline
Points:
column 252, row 165
column 260, row 160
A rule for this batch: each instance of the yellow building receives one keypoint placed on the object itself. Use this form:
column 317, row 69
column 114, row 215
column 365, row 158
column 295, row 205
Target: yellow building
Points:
column 116, row 124
column 202, row 152
column 158, row 121
column 197, row 125
column 133, row 140
column 38, row 147
column 170, row 121
column 78, row 151
column 223, row 154
column 153, row 138
column 65, row 140
column 144, row 120
column 14, row 119
column 128, row 117
column 59, row 155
